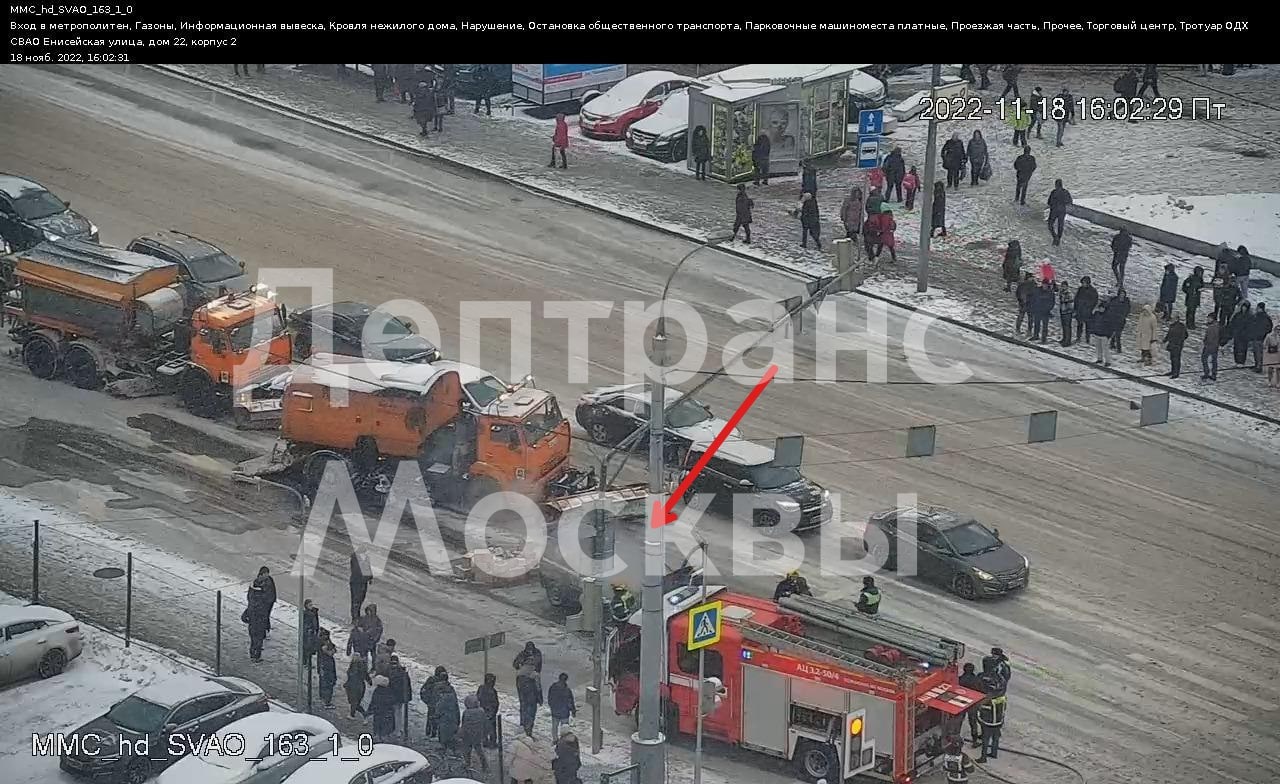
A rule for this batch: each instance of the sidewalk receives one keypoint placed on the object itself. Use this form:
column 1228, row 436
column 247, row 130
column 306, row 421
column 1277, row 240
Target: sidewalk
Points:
column 1101, row 157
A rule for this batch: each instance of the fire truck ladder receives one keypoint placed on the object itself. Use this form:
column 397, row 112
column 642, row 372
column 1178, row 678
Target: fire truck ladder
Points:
column 867, row 631
column 777, row 638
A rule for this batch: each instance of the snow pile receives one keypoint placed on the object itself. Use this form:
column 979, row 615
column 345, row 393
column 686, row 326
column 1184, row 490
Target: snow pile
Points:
column 1249, row 219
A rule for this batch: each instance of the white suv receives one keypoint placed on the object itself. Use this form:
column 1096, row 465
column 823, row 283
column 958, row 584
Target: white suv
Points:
column 36, row 640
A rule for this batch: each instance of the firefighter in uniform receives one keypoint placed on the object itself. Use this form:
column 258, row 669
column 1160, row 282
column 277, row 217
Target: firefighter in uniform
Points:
column 971, row 680
column 623, row 604
column 991, row 717
column 869, row 599
column 791, row 585
column 957, row 765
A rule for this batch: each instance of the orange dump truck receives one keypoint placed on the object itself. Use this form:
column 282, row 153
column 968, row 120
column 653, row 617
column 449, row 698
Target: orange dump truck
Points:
column 371, row 415
column 100, row 316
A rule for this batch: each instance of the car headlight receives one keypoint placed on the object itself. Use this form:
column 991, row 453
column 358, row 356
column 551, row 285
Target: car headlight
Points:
column 243, row 398
column 93, row 228
column 826, row 495
column 1026, row 564
column 787, row 503
column 48, row 235
column 981, row 575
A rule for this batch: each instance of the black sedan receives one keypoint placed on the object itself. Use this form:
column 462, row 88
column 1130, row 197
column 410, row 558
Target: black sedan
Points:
column 774, row 494
column 31, row 214
column 951, row 550
column 345, row 323
column 610, row 414
column 151, row 729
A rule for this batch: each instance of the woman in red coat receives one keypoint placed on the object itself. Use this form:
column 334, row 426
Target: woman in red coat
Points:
column 560, row 141
column 887, row 227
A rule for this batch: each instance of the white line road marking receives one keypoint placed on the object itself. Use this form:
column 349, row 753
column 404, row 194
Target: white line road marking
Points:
column 1181, row 695
column 1256, row 639
column 85, row 455
column 1228, row 691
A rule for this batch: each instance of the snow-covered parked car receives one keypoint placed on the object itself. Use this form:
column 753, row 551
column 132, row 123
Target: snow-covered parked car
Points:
column 36, row 640
column 665, row 133
column 609, row 115
column 265, row 748
column 383, row 763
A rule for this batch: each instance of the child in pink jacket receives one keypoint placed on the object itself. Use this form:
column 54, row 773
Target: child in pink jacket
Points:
column 911, row 184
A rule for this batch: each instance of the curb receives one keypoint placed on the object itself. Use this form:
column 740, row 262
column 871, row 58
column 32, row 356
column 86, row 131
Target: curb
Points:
column 438, row 158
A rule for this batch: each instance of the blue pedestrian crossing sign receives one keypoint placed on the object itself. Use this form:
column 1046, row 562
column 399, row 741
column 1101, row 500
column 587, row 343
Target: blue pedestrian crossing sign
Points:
column 871, row 122
column 704, row 625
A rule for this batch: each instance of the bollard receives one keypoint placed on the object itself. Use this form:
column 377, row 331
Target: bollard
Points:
column 217, row 635
column 35, row 566
column 128, row 597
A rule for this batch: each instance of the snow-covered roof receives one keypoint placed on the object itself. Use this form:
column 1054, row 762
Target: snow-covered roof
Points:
column 785, row 72
column 741, row 91
column 368, row 376
column 670, row 117
column 467, row 374
column 17, row 613
column 742, row 452
column 180, row 688
column 342, row 767
column 271, row 723
column 638, row 391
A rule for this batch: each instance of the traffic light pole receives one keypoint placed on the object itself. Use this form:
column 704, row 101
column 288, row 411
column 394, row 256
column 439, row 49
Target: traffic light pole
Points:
column 702, row 673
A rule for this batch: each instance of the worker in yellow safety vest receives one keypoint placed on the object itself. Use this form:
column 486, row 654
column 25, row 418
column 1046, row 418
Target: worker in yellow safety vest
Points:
column 957, row 765
column 991, row 717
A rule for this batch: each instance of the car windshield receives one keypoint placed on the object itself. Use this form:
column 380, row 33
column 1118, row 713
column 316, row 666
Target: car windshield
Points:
column 211, row 269
column 686, row 413
column 34, row 205
column 136, row 714
column 263, row 328
column 543, row 422
column 486, row 390
column 971, row 538
column 769, row 476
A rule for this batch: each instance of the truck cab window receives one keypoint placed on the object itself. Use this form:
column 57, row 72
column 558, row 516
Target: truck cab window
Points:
column 265, row 327
column 687, row 661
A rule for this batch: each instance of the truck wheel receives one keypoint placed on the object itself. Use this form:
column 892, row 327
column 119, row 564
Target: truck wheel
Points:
column 40, row 355
column 815, row 761
column 80, row 367
column 478, row 488
column 198, row 394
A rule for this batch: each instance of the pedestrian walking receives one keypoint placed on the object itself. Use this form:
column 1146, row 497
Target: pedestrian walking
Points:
column 561, row 703
column 358, row 643
column 876, row 181
column 1238, row 329
column 1149, row 77
column 1086, row 302
column 808, row 179
column 471, row 731
column 700, row 149
column 871, row 237
column 1041, row 307
column 1191, row 288
column 528, row 654
column 895, row 169
column 875, row 196
column 488, row 696
column 1174, row 339
column 810, row 224
column 1039, row 106
column 1019, row 120
column 442, row 106
column 403, row 81
column 383, row 653
column 529, row 693
column 938, row 212
column 560, row 142
column 401, row 685
column 1126, row 85
column 424, row 108
column 1271, row 358
column 448, row 716
column 760, row 158
column 371, row 625
column 1120, row 245
column 326, row 667
column 1064, row 113
column 1023, row 166
column 1209, row 351
column 427, row 693
column 530, row 761
column 1241, row 265
column 310, row 629
column 1010, row 76
column 851, row 213
column 449, row 85
column 382, row 705
column 359, row 581
column 1260, row 326
column 1026, row 289
column 237, row 68
column 1059, row 201
column 1066, row 310
column 976, row 151
column 953, row 160
column 742, row 206
column 357, row 679
column 1117, row 316
column 1011, row 267
column 259, row 600
column 568, row 759
column 910, row 185
column 1146, row 333
column 484, row 89
column 381, row 81
column 984, row 70
column 888, row 239
column 1168, row 292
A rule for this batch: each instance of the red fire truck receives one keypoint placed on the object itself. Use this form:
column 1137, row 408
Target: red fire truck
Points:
column 835, row 692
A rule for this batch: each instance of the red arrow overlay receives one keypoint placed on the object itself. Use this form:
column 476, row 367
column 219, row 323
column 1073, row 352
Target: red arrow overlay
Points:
column 662, row 514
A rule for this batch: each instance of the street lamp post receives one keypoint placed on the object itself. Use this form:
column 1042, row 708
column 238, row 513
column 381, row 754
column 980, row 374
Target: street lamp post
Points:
column 648, row 749
column 926, row 187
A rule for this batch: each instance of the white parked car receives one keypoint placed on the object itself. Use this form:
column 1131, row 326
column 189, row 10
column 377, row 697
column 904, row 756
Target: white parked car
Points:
column 384, row 763
column 665, row 133
column 608, row 116
column 36, row 640
column 265, row 748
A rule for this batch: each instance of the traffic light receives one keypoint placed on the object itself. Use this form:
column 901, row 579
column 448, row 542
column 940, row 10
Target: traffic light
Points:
column 853, row 751
column 713, row 693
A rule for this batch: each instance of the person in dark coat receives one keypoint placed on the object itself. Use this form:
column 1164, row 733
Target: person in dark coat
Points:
column 1127, row 86
column 1209, row 350
column 260, row 598
column 875, row 201
column 382, row 705
column 427, row 693
column 1241, row 264
column 1026, row 288
column 488, row 696
column 1066, row 309
column 1238, row 330
column 561, row 703
column 1010, row 75
column 381, row 81
column 984, row 75
column 371, row 625
column 970, row 680
column 1098, row 326
column 700, row 150
column 895, row 169
column 529, row 692
column 1168, row 293
column 938, row 214
column 442, row 105
column 1023, row 166
column 484, row 89
column 1191, row 288
column 401, row 685
column 810, row 224
column 471, row 731
column 1086, row 302
column 310, row 629
column 1174, row 339
column 447, row 714
column 358, row 643
column 742, row 206
column 760, row 158
column 1011, row 267
column 1064, row 112
column 1041, row 307
column 529, row 653
column 1149, row 76
column 326, row 667
column 568, row 759
column 424, row 107
column 448, row 86
column 354, row 685
column 358, row 582
column 1225, row 296
column 808, row 178
column 1260, row 325
column 1120, row 245
column 852, row 215
column 953, row 159
column 1117, row 315
column 977, row 152
column 404, row 81
column 1059, row 200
